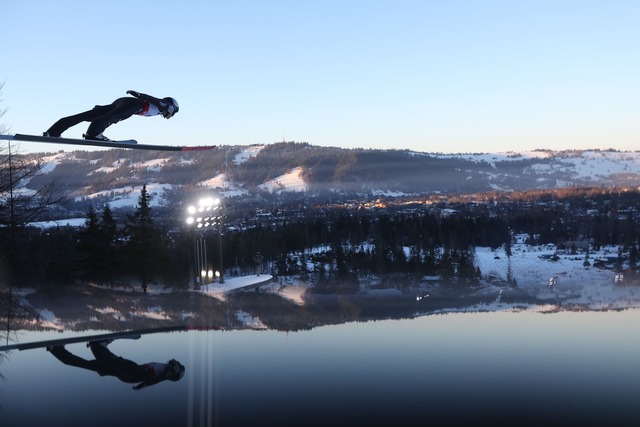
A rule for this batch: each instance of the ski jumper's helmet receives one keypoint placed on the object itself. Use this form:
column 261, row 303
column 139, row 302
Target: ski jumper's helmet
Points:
column 171, row 109
column 174, row 371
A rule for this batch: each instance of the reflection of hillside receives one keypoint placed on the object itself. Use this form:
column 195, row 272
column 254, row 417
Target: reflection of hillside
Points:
column 83, row 309
column 89, row 308
column 296, row 305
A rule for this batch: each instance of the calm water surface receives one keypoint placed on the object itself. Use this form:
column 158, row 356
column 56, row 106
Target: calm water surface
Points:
column 455, row 369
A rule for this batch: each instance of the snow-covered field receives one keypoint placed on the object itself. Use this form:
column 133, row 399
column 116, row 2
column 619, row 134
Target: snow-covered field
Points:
column 567, row 280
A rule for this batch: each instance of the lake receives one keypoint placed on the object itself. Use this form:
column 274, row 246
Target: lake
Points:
column 498, row 368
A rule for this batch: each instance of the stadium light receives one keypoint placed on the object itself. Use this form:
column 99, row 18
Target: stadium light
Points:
column 206, row 213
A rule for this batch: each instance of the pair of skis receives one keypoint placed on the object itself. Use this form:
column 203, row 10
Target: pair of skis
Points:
column 129, row 143
column 132, row 334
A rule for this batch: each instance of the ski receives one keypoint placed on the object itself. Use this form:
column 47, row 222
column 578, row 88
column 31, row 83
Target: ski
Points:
column 129, row 143
column 132, row 334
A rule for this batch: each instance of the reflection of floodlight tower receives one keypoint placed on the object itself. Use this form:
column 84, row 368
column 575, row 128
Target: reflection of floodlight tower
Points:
column 207, row 213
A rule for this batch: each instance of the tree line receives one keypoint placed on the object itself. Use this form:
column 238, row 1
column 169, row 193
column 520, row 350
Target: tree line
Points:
column 331, row 248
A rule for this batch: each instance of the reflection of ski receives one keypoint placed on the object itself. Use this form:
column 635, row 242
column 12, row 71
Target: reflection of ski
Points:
column 132, row 334
column 131, row 143
column 128, row 337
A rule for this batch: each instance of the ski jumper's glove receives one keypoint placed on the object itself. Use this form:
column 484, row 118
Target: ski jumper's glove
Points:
column 133, row 93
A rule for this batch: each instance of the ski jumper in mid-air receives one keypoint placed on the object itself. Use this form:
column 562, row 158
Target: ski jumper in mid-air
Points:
column 107, row 363
column 103, row 116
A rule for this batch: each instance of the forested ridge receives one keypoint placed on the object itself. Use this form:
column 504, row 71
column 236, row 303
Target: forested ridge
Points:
column 343, row 171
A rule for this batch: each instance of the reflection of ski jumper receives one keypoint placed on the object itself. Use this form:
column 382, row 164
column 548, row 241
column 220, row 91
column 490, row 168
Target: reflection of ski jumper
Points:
column 107, row 363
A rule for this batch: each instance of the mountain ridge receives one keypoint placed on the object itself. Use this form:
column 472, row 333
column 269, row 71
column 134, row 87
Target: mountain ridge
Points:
column 294, row 167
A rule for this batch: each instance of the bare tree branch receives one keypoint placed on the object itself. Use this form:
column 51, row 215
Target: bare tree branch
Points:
column 20, row 205
column 3, row 127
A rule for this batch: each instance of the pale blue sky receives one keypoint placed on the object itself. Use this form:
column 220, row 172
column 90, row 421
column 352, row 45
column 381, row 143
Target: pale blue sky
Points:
column 435, row 76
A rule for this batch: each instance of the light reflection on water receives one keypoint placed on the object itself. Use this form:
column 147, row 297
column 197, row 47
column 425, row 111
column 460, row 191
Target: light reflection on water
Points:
column 506, row 368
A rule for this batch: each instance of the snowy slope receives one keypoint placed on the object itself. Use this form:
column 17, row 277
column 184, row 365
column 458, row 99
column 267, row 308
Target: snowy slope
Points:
column 246, row 153
column 129, row 196
column 223, row 185
column 580, row 164
column 292, row 181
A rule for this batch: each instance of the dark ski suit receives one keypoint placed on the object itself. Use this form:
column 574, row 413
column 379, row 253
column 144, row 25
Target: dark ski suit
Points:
column 107, row 363
column 103, row 116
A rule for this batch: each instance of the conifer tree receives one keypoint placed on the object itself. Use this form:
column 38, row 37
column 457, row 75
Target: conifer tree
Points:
column 108, row 239
column 88, row 243
column 144, row 244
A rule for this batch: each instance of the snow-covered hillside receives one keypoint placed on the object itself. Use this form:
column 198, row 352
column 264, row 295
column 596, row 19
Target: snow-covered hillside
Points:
column 291, row 181
column 368, row 174
column 586, row 165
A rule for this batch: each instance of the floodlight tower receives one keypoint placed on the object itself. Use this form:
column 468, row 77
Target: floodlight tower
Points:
column 207, row 213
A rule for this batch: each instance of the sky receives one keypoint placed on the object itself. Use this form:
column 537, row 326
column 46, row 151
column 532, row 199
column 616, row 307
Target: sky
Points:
column 453, row 76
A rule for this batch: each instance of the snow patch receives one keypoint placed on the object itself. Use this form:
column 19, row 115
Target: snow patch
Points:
column 221, row 182
column 247, row 153
column 129, row 196
column 49, row 163
column 154, row 165
column 292, row 181
column 70, row 222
